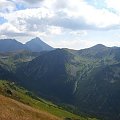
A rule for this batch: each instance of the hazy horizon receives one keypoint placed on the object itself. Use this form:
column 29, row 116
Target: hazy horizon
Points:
column 58, row 47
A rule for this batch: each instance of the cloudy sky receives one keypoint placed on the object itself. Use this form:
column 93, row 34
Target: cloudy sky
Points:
column 72, row 24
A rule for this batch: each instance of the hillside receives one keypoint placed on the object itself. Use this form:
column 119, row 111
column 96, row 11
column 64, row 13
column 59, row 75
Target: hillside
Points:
column 13, row 110
column 50, row 65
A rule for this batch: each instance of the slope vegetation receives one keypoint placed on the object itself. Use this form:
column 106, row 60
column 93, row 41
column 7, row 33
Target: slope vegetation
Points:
column 13, row 110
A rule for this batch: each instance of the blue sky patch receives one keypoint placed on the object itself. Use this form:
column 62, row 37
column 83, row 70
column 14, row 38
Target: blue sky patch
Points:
column 99, row 4
column 2, row 20
column 20, row 6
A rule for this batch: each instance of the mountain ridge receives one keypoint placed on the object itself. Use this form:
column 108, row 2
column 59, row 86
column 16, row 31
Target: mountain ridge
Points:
column 12, row 45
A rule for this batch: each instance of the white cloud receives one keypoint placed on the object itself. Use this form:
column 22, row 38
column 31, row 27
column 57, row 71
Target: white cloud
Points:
column 80, row 15
column 77, row 15
column 7, row 6
column 9, row 30
column 7, row 27
column 54, row 30
column 28, row 3
column 29, row 19
column 33, row 1
column 53, row 18
column 79, row 33
column 101, row 18
column 114, row 4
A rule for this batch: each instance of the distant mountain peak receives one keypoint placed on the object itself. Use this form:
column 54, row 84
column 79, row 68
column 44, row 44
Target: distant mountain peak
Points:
column 99, row 46
column 36, row 39
column 11, row 45
column 36, row 44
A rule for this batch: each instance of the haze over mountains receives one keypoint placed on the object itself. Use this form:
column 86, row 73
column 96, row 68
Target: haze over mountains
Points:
column 88, row 79
column 34, row 45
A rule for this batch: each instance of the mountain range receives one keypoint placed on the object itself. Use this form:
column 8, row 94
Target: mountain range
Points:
column 87, row 80
column 34, row 45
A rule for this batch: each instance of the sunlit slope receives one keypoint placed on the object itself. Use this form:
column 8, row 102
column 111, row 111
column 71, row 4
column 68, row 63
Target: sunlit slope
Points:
column 14, row 110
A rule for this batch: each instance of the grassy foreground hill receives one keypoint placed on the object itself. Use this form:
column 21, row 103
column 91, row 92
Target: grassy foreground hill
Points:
column 13, row 110
column 35, row 108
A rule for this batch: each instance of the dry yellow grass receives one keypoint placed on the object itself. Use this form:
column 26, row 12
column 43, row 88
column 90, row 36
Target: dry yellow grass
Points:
column 14, row 110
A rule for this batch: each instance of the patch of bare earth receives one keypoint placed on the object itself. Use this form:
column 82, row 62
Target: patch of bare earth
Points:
column 14, row 110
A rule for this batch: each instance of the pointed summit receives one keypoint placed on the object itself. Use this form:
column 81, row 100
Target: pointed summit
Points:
column 37, row 45
column 36, row 39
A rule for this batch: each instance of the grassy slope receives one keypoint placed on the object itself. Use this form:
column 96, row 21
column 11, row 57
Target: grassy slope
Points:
column 14, row 110
column 24, row 96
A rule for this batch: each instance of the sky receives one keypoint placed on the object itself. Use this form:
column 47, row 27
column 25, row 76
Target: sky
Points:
column 74, row 24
